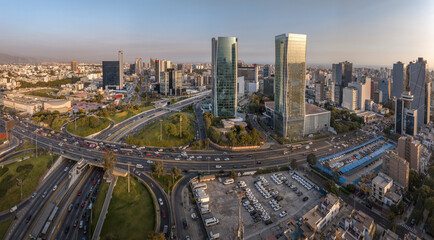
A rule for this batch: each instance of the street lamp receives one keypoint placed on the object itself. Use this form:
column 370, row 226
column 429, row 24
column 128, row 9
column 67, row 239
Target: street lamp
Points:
column 20, row 182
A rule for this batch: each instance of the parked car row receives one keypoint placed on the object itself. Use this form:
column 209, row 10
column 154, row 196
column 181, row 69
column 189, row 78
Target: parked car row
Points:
column 301, row 180
column 278, row 178
column 255, row 208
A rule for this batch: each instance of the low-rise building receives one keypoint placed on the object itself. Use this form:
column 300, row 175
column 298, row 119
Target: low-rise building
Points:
column 380, row 185
column 357, row 226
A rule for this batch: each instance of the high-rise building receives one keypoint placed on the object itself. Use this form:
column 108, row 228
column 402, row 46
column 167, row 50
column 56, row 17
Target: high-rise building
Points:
column 399, row 77
column 250, row 74
column 319, row 91
column 266, row 71
column 385, row 86
column 396, row 167
column 348, row 73
column 121, row 69
column 409, row 149
column 289, row 85
column 378, row 96
column 363, row 86
column 224, row 70
column 74, row 66
column 138, row 66
column 337, row 78
column 405, row 116
column 175, row 81
column 268, row 86
column 151, row 64
column 111, row 75
column 350, row 97
column 330, row 95
column 420, row 87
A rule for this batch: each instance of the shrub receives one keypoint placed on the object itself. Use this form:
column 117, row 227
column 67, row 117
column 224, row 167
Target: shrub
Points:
column 3, row 170
column 24, row 168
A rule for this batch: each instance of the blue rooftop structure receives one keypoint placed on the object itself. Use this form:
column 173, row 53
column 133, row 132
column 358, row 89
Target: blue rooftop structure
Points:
column 352, row 149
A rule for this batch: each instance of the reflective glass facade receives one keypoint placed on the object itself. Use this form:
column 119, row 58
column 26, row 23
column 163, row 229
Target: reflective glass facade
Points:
column 225, row 54
column 290, row 84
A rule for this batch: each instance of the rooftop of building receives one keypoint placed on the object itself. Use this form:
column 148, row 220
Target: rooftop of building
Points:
column 310, row 109
column 389, row 235
column 382, row 180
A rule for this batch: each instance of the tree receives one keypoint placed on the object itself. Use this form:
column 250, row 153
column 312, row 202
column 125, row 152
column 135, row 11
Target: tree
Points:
column 157, row 168
column 331, row 187
column 294, row 164
column 99, row 97
column 233, row 174
column 109, row 160
column 351, row 187
column 175, row 172
column 156, row 236
column 311, row 159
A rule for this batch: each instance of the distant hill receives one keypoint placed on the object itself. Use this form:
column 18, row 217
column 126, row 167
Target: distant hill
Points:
column 8, row 59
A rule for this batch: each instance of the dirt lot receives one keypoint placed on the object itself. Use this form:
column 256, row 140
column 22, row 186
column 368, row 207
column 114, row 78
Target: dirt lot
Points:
column 224, row 207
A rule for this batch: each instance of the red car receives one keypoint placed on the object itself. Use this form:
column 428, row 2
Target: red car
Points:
column 28, row 219
column 79, row 193
column 83, row 203
column 157, row 155
column 164, row 213
column 148, row 154
column 94, row 182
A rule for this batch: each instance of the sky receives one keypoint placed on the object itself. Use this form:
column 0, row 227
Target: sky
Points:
column 367, row 33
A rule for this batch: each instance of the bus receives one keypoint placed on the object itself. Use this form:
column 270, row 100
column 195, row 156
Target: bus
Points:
column 126, row 151
column 297, row 146
column 200, row 185
column 53, row 214
column 45, row 229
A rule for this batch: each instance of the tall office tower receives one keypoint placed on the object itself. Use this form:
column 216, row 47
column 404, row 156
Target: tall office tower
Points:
column 405, row 116
column 180, row 67
column 319, row 91
column 175, row 81
column 331, row 91
column 266, row 71
column 348, row 73
column 420, row 87
column 396, row 167
column 374, row 88
column 290, row 84
column 160, row 66
column 164, row 83
column 152, row 64
column 378, row 96
column 74, row 66
column 268, row 86
column 138, row 66
column 337, row 78
column 363, row 86
column 224, row 68
column 409, row 149
column 350, row 97
column 121, row 69
column 399, row 78
column 385, row 87
column 111, row 75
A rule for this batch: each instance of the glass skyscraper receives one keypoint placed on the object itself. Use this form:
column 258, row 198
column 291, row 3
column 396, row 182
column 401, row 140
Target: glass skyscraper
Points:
column 289, row 85
column 224, row 70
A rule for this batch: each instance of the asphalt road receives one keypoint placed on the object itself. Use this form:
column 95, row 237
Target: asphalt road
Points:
column 37, row 204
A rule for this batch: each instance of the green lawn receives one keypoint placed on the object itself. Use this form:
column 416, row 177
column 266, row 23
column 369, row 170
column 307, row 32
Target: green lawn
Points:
column 48, row 93
column 99, row 202
column 130, row 215
column 30, row 170
column 121, row 116
column 4, row 227
column 150, row 134
column 85, row 129
column 26, row 145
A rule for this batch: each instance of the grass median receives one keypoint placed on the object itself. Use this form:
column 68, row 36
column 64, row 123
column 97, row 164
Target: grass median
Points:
column 121, row 116
column 87, row 125
column 30, row 171
column 99, row 202
column 130, row 215
column 4, row 226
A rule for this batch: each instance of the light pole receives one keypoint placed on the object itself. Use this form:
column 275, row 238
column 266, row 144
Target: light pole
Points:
column 161, row 130
column 129, row 176
column 51, row 149
column 180, row 125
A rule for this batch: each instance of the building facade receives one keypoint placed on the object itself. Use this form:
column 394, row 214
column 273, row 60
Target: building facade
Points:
column 224, row 61
column 385, row 87
column 349, row 100
column 111, row 75
column 409, row 149
column 399, row 77
column 396, row 167
column 290, row 84
column 337, row 78
column 420, row 86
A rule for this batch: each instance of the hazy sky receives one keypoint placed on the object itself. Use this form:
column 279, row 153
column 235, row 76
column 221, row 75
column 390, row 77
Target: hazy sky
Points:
column 365, row 32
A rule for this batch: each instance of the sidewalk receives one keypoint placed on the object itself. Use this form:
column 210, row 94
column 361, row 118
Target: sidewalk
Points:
column 103, row 213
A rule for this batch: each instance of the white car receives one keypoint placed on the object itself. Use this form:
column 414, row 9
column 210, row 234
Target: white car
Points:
column 177, row 159
column 218, row 166
column 160, row 201
column 139, row 166
column 226, row 159
column 283, row 214
column 217, row 159
column 54, row 188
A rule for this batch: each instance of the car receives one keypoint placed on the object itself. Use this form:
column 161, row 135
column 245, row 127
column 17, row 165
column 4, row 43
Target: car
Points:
column 226, row 159
column 34, row 194
column 44, row 194
column 283, row 214
column 70, row 207
column 66, row 169
column 28, row 218
column 84, row 229
column 75, row 223
column 66, row 229
column 413, row 221
column 94, row 182
column 217, row 159
column 160, row 201
column 218, row 166
column 305, row 199
column 163, row 213
column 83, row 203
column 54, row 188
column 79, row 193
column 184, row 223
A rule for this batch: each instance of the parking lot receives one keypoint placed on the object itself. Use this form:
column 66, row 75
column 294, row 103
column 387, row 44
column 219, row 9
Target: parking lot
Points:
column 265, row 199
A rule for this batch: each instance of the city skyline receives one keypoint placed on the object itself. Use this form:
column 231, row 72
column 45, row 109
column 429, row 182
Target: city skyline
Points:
column 367, row 34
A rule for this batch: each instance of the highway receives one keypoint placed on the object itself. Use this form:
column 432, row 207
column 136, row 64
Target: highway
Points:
column 39, row 202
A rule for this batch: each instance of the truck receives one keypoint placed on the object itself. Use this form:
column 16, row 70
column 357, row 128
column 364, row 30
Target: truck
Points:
column 13, row 209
